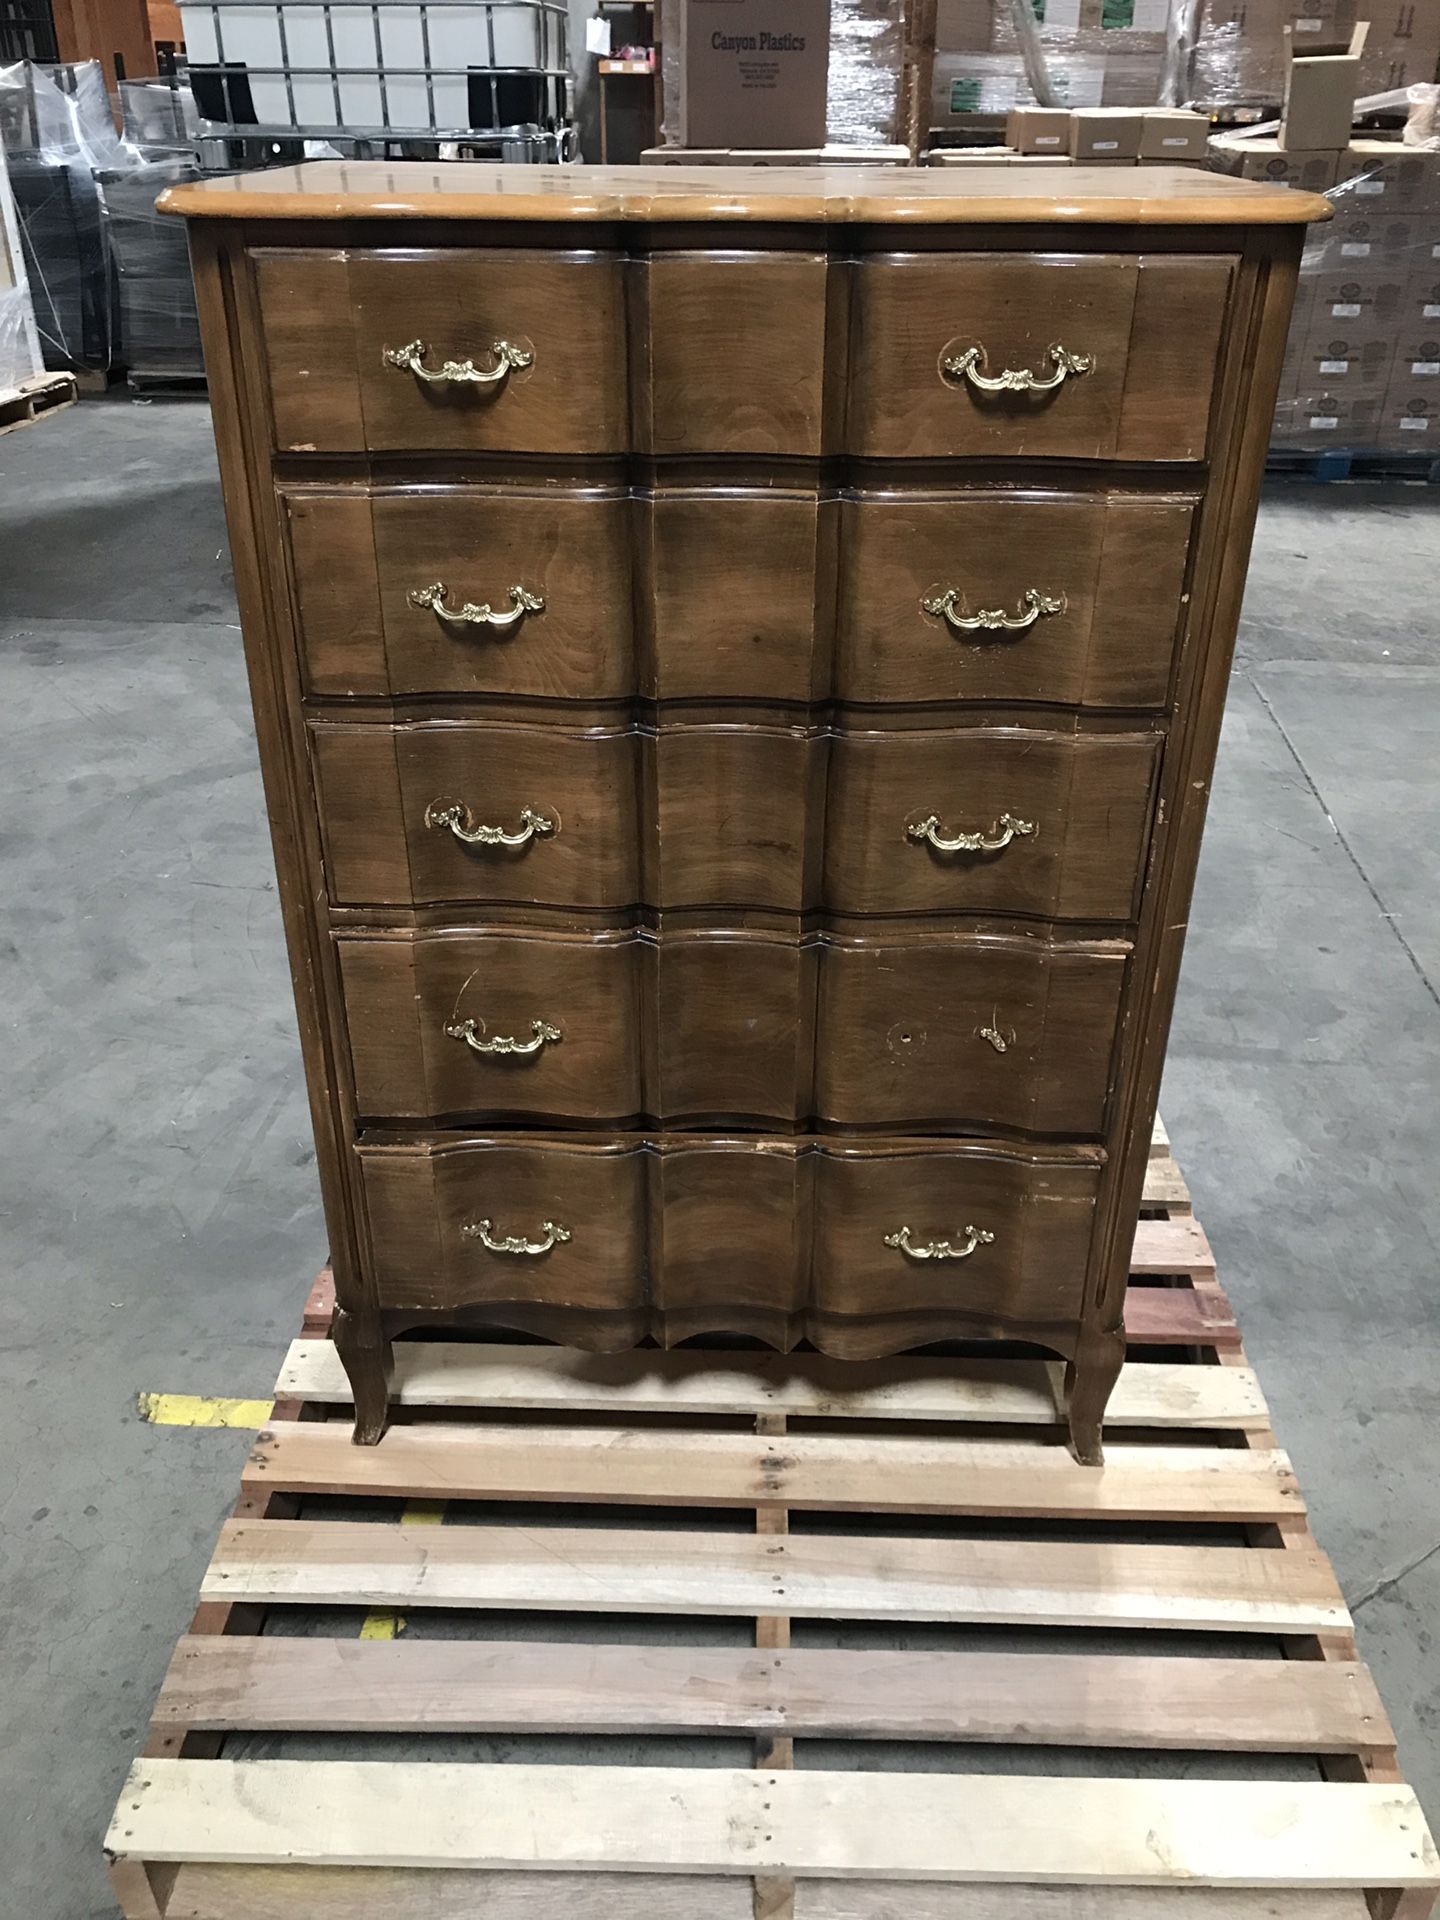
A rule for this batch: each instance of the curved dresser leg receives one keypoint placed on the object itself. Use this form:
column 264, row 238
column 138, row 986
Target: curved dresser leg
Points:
column 1089, row 1381
column 366, row 1356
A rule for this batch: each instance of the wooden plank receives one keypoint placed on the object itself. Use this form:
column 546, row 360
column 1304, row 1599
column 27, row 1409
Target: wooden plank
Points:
column 244, row 1682
column 619, row 1570
column 1180, row 1317
column 1172, row 1246
column 438, row 1373
column 347, row 1893
column 626, row 1466
column 1159, row 1139
column 906, row 1826
column 1165, row 1187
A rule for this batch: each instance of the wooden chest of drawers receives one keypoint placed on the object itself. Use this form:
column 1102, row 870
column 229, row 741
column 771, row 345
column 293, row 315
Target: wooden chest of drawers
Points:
column 738, row 662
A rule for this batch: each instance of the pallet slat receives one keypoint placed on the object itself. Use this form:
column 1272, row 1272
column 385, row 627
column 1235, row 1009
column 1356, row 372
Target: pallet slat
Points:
column 1172, row 1246
column 248, row 1682
column 625, row 1466
column 437, row 1373
column 346, row 1893
column 605, row 1570
column 720, row 1820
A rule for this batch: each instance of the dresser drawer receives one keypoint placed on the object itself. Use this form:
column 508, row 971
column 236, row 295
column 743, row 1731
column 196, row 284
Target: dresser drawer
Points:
column 985, row 1241
column 732, row 357
column 989, row 819
column 503, row 349
column 694, row 1027
column 485, row 1222
column 463, row 811
column 980, row 1033
column 1031, row 596
column 474, row 590
column 1143, row 336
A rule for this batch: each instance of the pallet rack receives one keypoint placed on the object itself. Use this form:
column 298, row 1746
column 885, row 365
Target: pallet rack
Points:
column 1146, row 1675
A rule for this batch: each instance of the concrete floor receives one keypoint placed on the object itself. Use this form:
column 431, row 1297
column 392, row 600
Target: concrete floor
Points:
column 156, row 1180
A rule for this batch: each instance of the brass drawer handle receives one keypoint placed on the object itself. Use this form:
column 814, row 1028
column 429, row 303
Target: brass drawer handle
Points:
column 1001, row 1042
column 554, row 1236
column 459, row 820
column 540, row 1032
column 992, row 619
column 459, row 373
column 522, row 601
column 939, row 1249
column 1000, row 835
column 968, row 365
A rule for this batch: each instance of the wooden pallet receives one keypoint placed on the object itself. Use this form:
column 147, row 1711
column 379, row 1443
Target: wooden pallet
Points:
column 1045, row 1691
column 33, row 399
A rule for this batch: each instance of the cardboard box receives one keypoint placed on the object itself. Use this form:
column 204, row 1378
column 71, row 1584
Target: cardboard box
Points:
column 1359, row 243
column 1409, row 421
column 1320, row 90
column 1105, row 133
column 1344, row 358
column 1385, row 177
column 1420, row 301
column 1417, row 358
column 1332, row 418
column 754, row 73
column 1376, row 299
column 1240, row 44
column 1172, row 134
column 1404, row 44
column 963, row 26
column 1038, row 130
column 1263, row 159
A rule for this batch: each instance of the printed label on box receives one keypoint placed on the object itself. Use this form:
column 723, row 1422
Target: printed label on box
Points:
column 1334, row 366
column 1431, row 312
column 1369, row 186
column 1414, row 423
column 1321, row 423
column 1104, row 146
column 1045, row 140
column 1425, row 366
column 1346, row 310
column 1356, row 250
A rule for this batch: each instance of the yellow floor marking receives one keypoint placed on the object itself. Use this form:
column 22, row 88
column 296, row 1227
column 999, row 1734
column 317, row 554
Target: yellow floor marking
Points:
column 415, row 1513
column 196, row 1410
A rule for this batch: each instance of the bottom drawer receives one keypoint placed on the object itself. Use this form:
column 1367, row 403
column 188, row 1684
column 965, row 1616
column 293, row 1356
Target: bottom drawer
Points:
column 863, row 1249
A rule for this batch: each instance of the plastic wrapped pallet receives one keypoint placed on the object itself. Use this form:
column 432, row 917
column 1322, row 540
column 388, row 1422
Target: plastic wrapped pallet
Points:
column 58, row 131
column 159, row 327
column 1362, row 372
column 19, row 344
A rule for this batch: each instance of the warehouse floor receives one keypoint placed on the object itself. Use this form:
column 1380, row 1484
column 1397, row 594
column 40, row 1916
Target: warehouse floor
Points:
column 156, row 1179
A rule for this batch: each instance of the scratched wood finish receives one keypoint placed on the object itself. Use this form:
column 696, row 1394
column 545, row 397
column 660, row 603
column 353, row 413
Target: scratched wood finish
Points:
column 913, row 311
column 1115, row 564
column 912, row 1031
column 766, row 1235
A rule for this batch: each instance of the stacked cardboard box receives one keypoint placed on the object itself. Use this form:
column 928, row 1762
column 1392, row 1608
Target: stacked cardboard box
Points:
column 1362, row 369
column 1240, row 46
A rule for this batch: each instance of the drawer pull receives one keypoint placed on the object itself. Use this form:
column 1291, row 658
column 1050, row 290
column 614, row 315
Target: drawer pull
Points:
column 995, row 1037
column 522, row 601
column 939, row 1249
column 459, row 820
column 993, row 619
column 540, row 1032
column 1000, row 835
column 459, row 373
column 968, row 365
column 554, row 1236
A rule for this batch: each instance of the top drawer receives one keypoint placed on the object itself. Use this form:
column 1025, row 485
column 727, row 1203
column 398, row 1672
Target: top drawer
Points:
column 1079, row 356
column 499, row 349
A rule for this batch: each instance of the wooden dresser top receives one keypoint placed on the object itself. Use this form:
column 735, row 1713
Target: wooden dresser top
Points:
column 1108, row 196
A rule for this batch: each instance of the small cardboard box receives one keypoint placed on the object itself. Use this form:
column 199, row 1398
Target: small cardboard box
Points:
column 1420, row 302
column 1346, row 359
column 1263, row 159
column 754, row 73
column 1105, row 133
column 1038, row 130
column 1331, row 417
column 964, row 26
column 1173, row 134
column 1376, row 298
column 1388, row 178
column 1417, row 356
column 1409, row 421
column 1353, row 239
column 1320, row 90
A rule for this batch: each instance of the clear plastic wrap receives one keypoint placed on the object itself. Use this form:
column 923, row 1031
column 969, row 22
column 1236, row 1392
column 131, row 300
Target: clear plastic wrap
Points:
column 19, row 345
column 1362, row 366
column 158, row 333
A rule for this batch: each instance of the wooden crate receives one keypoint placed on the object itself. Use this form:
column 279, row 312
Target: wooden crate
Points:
column 898, row 1560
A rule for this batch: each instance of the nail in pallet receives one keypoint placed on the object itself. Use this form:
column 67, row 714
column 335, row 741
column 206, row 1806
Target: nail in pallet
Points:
column 1017, row 1685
